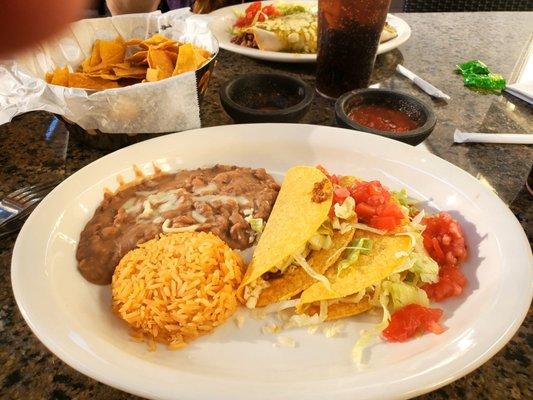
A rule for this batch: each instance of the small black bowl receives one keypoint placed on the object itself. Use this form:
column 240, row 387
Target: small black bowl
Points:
column 414, row 108
column 266, row 98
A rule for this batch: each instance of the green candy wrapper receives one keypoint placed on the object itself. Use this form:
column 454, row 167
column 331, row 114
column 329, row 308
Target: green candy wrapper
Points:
column 488, row 82
column 477, row 75
column 473, row 67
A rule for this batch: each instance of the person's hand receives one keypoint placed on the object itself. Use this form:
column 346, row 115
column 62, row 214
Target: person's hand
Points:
column 131, row 6
column 26, row 23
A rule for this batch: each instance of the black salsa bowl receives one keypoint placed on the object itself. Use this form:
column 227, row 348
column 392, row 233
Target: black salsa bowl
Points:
column 257, row 98
column 417, row 110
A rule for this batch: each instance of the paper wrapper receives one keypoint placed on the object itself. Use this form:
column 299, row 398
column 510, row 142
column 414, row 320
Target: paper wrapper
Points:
column 168, row 105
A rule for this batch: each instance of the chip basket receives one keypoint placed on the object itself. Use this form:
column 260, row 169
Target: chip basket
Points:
column 112, row 141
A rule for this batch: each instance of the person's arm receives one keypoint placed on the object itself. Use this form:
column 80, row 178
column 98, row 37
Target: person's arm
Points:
column 26, row 23
column 131, row 6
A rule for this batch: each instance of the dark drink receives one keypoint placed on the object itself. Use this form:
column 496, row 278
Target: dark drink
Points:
column 348, row 40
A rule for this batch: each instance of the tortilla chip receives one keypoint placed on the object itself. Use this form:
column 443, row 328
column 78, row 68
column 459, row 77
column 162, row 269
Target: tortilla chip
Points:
column 153, row 74
column 79, row 80
column 160, row 60
column 155, row 40
column 125, row 70
column 108, row 76
column 60, row 77
column 290, row 284
column 204, row 53
column 295, row 217
column 369, row 269
column 172, row 56
column 173, row 48
column 138, row 58
column 95, row 58
column 342, row 310
column 190, row 58
column 112, row 51
column 107, row 63
column 133, row 42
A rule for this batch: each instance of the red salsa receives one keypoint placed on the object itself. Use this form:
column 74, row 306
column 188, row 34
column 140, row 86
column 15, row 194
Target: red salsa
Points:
column 382, row 118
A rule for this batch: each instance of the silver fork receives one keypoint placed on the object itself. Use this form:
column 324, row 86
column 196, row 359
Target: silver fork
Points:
column 19, row 202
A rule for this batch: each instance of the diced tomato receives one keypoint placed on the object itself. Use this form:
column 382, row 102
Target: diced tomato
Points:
column 384, row 223
column 391, row 209
column 411, row 320
column 375, row 206
column 333, row 178
column 444, row 239
column 249, row 15
column 254, row 7
column 340, row 194
column 365, row 211
column 451, row 283
column 270, row 10
column 370, row 192
column 241, row 21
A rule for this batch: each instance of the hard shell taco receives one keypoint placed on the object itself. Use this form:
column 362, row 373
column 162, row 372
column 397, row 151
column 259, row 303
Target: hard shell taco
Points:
column 299, row 241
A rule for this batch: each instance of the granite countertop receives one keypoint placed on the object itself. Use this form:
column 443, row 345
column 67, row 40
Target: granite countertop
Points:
column 36, row 146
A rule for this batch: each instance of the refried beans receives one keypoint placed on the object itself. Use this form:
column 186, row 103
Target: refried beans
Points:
column 214, row 199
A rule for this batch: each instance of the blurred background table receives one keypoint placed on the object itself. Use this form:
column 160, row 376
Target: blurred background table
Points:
column 36, row 146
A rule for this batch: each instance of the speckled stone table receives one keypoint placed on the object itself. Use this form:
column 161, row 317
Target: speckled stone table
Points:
column 35, row 146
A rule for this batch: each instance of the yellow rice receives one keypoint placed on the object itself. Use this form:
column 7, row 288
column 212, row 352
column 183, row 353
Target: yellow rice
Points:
column 177, row 287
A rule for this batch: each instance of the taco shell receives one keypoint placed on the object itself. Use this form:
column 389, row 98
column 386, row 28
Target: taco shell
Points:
column 368, row 270
column 342, row 310
column 292, row 283
column 295, row 218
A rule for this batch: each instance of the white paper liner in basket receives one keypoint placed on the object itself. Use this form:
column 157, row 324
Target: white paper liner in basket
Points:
column 168, row 105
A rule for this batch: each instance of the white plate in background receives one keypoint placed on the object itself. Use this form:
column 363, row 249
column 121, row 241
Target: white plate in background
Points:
column 222, row 20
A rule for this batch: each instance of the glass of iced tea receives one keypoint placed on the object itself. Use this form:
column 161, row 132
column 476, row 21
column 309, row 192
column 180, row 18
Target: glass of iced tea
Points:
column 348, row 40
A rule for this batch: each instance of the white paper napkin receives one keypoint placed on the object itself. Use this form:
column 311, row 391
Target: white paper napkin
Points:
column 168, row 105
column 522, row 90
column 523, row 87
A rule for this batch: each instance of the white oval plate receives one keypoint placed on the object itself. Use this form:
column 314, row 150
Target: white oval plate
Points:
column 222, row 20
column 73, row 318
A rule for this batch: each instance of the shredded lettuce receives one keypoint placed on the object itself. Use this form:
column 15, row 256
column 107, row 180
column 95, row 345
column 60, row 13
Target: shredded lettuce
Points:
column 288, row 9
column 346, row 209
column 323, row 310
column 301, row 320
column 418, row 219
column 356, row 247
column 402, row 294
column 286, row 341
column 364, row 227
column 307, row 268
column 319, row 242
column 333, row 329
column 401, row 197
column 368, row 336
column 257, row 224
column 325, row 228
column 425, row 268
column 282, row 305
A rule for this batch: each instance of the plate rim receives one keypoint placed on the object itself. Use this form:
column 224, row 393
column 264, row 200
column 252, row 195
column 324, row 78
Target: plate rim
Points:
column 283, row 57
column 480, row 356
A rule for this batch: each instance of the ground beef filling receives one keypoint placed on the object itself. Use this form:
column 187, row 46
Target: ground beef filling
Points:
column 218, row 199
column 319, row 194
column 246, row 40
